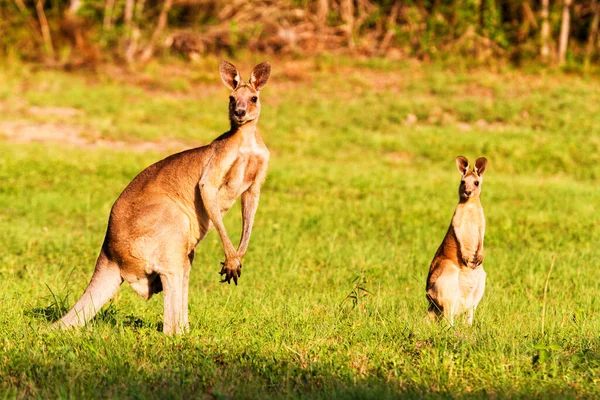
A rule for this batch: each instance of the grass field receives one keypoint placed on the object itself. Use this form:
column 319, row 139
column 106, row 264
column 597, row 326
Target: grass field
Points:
column 361, row 189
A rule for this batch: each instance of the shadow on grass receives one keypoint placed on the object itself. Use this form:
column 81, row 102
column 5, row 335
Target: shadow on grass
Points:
column 136, row 361
column 100, row 364
column 108, row 315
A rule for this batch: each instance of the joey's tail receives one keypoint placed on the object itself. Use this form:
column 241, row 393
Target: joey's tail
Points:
column 102, row 287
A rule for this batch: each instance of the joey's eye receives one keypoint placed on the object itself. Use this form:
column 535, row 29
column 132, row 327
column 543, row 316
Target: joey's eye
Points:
column 476, row 183
column 231, row 99
column 254, row 99
column 462, row 182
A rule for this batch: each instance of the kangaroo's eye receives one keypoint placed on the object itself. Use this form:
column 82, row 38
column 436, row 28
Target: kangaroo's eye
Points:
column 254, row 99
column 462, row 182
column 476, row 183
column 231, row 99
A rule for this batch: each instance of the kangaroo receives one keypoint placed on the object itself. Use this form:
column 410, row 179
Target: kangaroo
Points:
column 456, row 280
column 161, row 216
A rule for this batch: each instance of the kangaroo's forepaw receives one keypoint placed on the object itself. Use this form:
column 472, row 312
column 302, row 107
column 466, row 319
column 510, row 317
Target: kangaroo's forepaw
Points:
column 478, row 259
column 232, row 269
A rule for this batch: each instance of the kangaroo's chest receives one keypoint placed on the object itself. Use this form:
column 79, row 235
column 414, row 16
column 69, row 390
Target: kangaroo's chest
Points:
column 241, row 175
column 470, row 230
column 469, row 236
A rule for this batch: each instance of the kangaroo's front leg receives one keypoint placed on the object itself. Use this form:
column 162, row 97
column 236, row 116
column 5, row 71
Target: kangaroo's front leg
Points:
column 479, row 254
column 232, row 265
column 249, row 205
column 478, row 257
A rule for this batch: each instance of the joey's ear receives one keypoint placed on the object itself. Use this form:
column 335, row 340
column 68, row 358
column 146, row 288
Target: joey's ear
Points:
column 480, row 165
column 229, row 75
column 260, row 75
column 462, row 164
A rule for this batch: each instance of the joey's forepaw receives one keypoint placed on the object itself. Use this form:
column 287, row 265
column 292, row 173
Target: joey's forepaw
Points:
column 478, row 259
column 232, row 269
column 466, row 261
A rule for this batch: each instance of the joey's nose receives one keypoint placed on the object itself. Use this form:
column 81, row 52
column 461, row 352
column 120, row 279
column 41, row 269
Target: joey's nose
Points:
column 468, row 192
column 240, row 112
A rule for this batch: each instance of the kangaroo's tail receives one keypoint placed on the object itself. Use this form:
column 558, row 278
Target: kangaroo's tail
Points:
column 102, row 287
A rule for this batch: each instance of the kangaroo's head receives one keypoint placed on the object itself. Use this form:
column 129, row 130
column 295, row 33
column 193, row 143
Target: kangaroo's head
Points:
column 470, row 183
column 244, row 100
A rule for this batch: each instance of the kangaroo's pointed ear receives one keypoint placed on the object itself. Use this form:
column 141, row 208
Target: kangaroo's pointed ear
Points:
column 229, row 75
column 480, row 165
column 260, row 75
column 462, row 164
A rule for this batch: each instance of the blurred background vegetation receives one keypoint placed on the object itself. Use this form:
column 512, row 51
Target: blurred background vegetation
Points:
column 84, row 33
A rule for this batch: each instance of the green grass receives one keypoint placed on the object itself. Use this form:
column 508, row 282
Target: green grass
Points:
column 352, row 192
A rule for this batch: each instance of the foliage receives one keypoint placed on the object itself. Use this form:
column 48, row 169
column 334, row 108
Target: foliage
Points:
column 477, row 30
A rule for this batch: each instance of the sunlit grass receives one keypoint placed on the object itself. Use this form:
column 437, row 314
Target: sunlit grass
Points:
column 353, row 190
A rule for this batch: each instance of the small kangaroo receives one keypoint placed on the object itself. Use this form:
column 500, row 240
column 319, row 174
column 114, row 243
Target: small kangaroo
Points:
column 158, row 220
column 456, row 279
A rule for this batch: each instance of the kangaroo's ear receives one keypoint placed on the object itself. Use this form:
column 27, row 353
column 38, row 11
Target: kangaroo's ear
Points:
column 480, row 165
column 260, row 75
column 229, row 75
column 462, row 164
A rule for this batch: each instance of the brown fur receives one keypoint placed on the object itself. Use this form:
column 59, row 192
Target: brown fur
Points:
column 456, row 280
column 158, row 220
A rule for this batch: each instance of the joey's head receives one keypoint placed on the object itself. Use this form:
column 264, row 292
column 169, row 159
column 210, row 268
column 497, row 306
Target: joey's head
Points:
column 244, row 100
column 471, row 181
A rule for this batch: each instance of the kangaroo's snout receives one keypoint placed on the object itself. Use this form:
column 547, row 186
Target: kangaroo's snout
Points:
column 243, row 105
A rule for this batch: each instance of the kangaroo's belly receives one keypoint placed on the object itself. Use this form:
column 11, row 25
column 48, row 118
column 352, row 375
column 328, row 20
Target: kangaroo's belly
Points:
column 469, row 282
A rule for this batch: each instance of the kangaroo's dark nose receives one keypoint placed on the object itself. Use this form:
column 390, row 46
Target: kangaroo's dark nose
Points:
column 240, row 112
column 468, row 192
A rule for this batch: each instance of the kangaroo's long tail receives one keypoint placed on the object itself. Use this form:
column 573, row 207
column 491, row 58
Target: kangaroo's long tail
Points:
column 102, row 287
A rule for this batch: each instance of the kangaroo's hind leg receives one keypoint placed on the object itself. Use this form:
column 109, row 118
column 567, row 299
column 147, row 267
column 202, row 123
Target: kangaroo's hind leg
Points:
column 445, row 292
column 185, row 290
column 172, row 283
column 477, row 296
column 433, row 312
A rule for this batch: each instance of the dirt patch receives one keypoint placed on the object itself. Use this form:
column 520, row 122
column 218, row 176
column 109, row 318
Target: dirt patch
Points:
column 78, row 136
column 479, row 91
column 399, row 157
column 65, row 112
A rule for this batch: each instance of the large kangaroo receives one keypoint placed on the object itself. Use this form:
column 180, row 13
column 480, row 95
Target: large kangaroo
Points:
column 456, row 280
column 160, row 217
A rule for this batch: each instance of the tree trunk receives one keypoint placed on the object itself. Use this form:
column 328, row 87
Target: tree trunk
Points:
column 322, row 12
column 74, row 6
column 45, row 28
column 545, row 33
column 564, row 32
column 131, row 43
column 347, row 12
column 108, row 12
column 33, row 26
column 391, row 23
column 128, row 17
column 75, row 23
column 162, row 23
column 593, row 32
